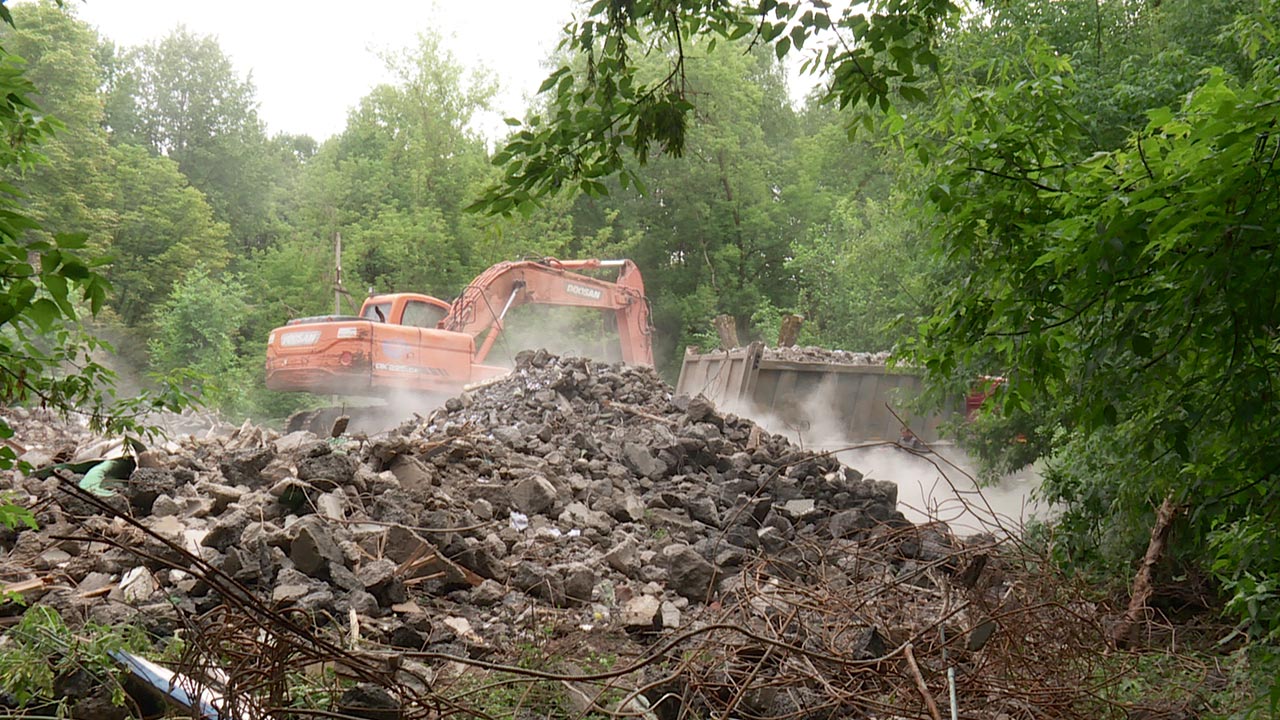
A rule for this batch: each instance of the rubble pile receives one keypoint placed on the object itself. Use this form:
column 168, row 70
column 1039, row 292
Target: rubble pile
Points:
column 572, row 494
column 572, row 483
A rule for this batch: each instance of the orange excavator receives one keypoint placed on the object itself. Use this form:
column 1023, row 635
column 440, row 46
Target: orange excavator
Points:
column 408, row 343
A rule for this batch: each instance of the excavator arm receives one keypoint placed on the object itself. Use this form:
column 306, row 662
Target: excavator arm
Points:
column 485, row 303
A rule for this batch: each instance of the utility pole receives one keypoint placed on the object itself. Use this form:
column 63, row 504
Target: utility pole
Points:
column 337, row 273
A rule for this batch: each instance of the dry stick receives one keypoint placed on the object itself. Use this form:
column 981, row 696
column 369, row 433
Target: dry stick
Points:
column 1122, row 635
column 638, row 412
column 924, row 689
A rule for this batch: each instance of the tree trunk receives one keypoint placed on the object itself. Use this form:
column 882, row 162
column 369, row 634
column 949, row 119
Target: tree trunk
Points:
column 790, row 330
column 1123, row 632
column 727, row 328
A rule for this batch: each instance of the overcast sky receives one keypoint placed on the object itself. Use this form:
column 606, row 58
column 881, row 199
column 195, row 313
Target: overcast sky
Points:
column 312, row 60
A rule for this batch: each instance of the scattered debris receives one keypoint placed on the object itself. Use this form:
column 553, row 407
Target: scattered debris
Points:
column 570, row 502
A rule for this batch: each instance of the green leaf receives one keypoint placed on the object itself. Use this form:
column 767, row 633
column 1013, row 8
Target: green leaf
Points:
column 56, row 285
column 782, row 47
column 912, row 93
column 1158, row 118
column 71, row 241
column 797, row 36
column 740, row 29
column 1142, row 345
column 44, row 313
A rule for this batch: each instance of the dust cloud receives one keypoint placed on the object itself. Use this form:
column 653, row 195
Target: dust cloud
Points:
column 935, row 482
column 563, row 331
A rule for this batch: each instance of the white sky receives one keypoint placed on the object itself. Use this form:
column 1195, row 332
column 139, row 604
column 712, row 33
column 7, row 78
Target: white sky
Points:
column 312, row 60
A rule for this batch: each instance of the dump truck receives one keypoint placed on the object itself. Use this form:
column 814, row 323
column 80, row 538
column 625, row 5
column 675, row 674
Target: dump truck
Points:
column 815, row 395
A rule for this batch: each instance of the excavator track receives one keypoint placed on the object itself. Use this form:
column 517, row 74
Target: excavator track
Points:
column 337, row 420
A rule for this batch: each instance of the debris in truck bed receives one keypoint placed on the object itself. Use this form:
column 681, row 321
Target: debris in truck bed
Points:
column 809, row 353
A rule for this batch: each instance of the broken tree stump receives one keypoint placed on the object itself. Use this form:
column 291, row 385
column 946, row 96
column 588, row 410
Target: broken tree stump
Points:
column 727, row 329
column 790, row 330
column 1122, row 633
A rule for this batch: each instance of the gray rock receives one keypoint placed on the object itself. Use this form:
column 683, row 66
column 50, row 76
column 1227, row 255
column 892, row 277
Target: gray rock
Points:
column 849, row 523
column 341, row 577
column 244, row 467
column 145, row 485
column 411, row 473
column 624, row 557
column 771, row 539
column 294, row 441
column 332, row 505
column 369, row 702
column 219, row 497
column 703, row 509
column 379, row 578
column 328, row 471
column 578, row 515
column 362, row 602
column 688, row 573
column 318, row 600
column 226, row 531
column 796, row 509
column 534, row 495
column 289, row 593
column 670, row 616
column 578, row 579
column 487, row 593
column 642, row 612
column 641, row 461
column 700, row 409
column 482, row 509
column 164, row 506
column 313, row 548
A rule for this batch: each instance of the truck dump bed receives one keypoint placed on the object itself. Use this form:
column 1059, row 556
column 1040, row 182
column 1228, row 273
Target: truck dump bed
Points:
column 823, row 396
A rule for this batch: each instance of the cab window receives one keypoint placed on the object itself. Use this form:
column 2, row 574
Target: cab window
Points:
column 376, row 312
column 423, row 315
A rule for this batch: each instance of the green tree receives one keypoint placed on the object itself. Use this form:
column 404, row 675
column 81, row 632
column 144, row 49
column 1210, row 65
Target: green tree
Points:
column 182, row 98
column 46, row 286
column 1116, row 265
column 1134, row 290
column 618, row 108
column 70, row 190
column 165, row 228
column 864, row 275
column 197, row 328
column 393, row 184
column 713, row 229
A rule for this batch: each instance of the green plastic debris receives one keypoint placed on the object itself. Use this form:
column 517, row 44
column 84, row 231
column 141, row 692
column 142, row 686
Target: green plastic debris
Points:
column 97, row 479
column 99, row 474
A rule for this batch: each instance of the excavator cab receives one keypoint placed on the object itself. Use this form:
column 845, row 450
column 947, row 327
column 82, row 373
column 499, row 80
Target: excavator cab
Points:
column 409, row 309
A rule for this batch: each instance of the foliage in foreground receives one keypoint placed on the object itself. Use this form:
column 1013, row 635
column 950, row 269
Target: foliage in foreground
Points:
column 48, row 283
column 1129, row 296
column 41, row 654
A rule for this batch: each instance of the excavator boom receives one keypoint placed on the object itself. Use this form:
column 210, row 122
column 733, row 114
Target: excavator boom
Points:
column 484, row 304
